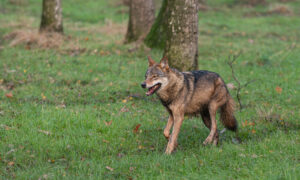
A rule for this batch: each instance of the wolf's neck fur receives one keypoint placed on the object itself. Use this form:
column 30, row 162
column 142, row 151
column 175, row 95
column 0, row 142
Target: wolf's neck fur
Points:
column 170, row 91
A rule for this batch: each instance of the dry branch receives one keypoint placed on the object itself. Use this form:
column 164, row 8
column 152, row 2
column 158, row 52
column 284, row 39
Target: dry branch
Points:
column 231, row 60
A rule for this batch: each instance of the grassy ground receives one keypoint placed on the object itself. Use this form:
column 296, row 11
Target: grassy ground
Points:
column 74, row 111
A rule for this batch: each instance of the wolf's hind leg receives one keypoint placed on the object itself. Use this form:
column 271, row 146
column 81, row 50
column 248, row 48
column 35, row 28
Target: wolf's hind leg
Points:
column 213, row 129
column 206, row 118
column 216, row 138
column 168, row 127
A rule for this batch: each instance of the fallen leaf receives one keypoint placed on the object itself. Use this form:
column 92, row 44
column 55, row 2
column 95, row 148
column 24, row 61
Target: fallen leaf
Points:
column 245, row 123
column 132, row 168
column 136, row 129
column 251, row 123
column 124, row 109
column 86, row 39
column 10, row 163
column 105, row 141
column 242, row 155
column 96, row 79
column 120, row 155
column 45, row 176
column 5, row 127
column 110, row 168
column 10, row 151
column 254, row 156
column 43, row 96
column 278, row 89
column 44, row 132
column 9, row 95
column 200, row 162
column 108, row 123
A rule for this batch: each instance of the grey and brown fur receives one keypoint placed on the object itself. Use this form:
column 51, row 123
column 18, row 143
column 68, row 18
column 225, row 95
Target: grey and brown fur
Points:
column 190, row 93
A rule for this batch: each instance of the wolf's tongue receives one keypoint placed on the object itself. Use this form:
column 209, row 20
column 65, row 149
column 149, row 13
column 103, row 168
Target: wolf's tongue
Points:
column 151, row 90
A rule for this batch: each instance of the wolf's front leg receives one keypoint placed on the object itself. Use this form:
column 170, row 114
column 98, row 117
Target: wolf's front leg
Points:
column 168, row 127
column 178, row 119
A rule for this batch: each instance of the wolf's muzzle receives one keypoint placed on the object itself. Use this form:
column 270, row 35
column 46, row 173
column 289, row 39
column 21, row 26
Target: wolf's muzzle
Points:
column 143, row 85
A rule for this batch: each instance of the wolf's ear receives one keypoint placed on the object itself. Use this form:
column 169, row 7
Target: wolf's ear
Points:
column 164, row 63
column 150, row 61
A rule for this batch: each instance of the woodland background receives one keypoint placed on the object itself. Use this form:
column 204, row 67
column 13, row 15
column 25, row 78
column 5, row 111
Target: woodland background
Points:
column 71, row 105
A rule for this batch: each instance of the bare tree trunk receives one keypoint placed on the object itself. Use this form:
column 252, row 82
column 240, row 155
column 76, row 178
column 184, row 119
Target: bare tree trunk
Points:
column 126, row 2
column 141, row 17
column 181, row 46
column 51, row 16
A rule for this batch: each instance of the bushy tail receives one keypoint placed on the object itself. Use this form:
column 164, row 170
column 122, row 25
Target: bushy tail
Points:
column 227, row 116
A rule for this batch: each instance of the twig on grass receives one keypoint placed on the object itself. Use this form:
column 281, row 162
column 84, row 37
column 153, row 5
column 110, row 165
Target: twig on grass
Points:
column 231, row 60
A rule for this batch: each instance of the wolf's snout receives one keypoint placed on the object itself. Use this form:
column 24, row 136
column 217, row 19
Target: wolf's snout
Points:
column 143, row 85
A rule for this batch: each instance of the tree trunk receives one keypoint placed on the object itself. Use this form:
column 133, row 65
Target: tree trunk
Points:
column 158, row 33
column 51, row 16
column 181, row 46
column 141, row 17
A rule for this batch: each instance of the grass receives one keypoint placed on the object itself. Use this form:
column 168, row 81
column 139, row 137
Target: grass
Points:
column 71, row 112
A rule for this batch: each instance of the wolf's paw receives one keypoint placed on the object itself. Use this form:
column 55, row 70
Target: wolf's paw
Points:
column 170, row 148
column 168, row 151
column 207, row 141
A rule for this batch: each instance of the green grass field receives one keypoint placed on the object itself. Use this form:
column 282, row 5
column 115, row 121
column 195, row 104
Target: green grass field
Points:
column 73, row 112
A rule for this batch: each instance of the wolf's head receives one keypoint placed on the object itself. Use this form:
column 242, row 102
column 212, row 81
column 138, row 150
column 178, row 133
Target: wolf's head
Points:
column 157, row 76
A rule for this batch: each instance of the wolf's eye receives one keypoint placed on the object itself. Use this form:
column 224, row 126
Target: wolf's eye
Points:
column 154, row 76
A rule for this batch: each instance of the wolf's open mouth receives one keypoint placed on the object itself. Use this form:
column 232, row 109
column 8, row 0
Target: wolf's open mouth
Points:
column 153, row 89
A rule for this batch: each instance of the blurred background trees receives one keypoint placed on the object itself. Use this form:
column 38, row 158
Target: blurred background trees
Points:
column 141, row 18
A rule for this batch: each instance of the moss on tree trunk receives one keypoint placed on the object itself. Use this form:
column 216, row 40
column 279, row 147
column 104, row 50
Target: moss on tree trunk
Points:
column 51, row 16
column 176, row 31
column 141, row 18
column 157, row 35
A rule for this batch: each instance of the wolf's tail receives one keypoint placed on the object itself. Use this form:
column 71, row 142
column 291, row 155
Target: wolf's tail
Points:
column 227, row 116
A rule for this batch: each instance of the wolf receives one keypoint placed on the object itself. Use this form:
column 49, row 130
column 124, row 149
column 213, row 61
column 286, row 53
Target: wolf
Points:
column 189, row 93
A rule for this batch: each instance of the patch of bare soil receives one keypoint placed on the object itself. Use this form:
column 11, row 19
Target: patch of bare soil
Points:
column 286, row 1
column 33, row 39
column 280, row 9
column 110, row 29
column 252, row 2
column 18, row 2
column 275, row 9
